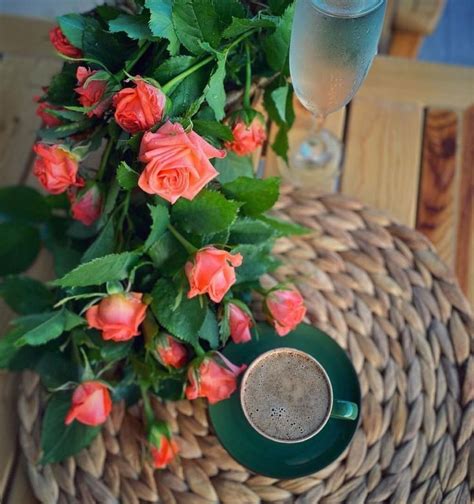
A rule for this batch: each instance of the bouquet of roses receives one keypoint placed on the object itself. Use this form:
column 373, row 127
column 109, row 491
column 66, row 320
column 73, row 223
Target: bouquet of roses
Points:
column 159, row 245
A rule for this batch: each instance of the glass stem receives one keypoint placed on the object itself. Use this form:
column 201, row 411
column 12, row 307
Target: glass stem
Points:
column 317, row 125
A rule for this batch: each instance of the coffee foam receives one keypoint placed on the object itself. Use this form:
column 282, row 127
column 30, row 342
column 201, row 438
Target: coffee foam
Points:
column 286, row 396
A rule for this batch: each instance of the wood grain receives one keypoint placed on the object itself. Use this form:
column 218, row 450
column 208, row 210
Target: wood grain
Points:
column 436, row 217
column 431, row 85
column 465, row 242
column 383, row 156
column 405, row 44
column 14, row 42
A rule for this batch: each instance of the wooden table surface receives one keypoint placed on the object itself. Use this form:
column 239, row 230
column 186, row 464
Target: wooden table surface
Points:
column 409, row 149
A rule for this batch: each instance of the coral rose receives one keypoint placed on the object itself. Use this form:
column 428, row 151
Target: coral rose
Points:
column 163, row 447
column 56, row 168
column 285, row 309
column 247, row 138
column 211, row 380
column 118, row 316
column 212, row 272
column 62, row 44
column 49, row 120
column 170, row 352
column 87, row 207
column 240, row 323
column 139, row 108
column 177, row 163
column 91, row 404
column 91, row 93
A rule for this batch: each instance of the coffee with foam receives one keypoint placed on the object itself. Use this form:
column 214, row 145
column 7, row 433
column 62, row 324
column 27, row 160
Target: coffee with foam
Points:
column 286, row 395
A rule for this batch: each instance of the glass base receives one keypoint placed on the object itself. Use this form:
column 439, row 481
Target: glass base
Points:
column 314, row 163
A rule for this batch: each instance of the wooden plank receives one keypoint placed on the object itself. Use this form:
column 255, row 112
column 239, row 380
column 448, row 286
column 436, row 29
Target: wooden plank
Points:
column 431, row 85
column 21, row 79
column 274, row 166
column 405, row 44
column 383, row 156
column 14, row 42
column 465, row 241
column 386, row 36
column 436, row 201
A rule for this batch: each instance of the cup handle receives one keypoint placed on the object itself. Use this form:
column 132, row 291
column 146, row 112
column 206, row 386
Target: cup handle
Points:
column 344, row 410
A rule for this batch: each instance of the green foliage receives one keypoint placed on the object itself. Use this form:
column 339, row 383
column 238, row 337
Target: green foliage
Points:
column 167, row 254
column 258, row 195
column 21, row 203
column 161, row 23
column 99, row 271
column 209, row 212
column 257, row 261
column 232, row 167
column 19, row 247
column 179, row 315
column 284, row 228
column 250, row 231
column 73, row 26
column 276, row 45
column 160, row 220
column 215, row 92
column 25, row 295
column 136, row 27
column 58, row 440
column 212, row 130
column 209, row 330
column 103, row 245
column 240, row 26
column 126, row 177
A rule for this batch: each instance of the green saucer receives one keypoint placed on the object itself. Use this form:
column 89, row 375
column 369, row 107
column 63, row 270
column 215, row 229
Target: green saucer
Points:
column 279, row 460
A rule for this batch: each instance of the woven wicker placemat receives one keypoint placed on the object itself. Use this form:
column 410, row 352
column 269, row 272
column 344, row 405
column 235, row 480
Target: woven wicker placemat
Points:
column 380, row 290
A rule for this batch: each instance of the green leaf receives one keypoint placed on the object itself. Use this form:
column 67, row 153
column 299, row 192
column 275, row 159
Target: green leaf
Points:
column 136, row 27
column 23, row 203
column 69, row 115
column 49, row 329
column 103, row 245
column 233, row 166
column 99, row 271
column 195, row 21
column 73, row 26
column 277, row 45
column 247, row 230
column 188, row 91
column 112, row 351
column 179, row 315
column 281, row 143
column 167, row 254
column 258, row 195
column 279, row 96
column 240, row 26
column 19, row 247
column 160, row 220
column 61, row 87
column 210, row 329
column 278, row 6
column 55, row 369
column 227, row 10
column 257, row 260
column 209, row 212
column 25, row 295
column 161, row 23
column 212, row 129
column 8, row 347
column 58, row 440
column 172, row 67
column 110, row 201
column 284, row 228
column 215, row 91
column 64, row 130
column 126, row 177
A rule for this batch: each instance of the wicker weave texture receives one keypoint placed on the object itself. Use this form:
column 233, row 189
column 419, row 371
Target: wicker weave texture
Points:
column 379, row 289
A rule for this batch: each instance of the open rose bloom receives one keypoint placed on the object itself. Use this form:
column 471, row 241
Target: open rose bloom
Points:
column 213, row 380
column 56, row 168
column 118, row 316
column 91, row 404
column 285, row 309
column 212, row 272
column 176, row 163
column 247, row 138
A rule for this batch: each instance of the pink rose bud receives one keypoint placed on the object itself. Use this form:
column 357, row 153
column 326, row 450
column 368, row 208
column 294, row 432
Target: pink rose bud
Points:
column 177, row 163
column 62, row 44
column 214, row 381
column 56, row 168
column 247, row 139
column 49, row 120
column 118, row 316
column 91, row 404
column 87, row 207
column 163, row 447
column 285, row 309
column 139, row 108
column 212, row 272
column 170, row 352
column 240, row 323
column 91, row 94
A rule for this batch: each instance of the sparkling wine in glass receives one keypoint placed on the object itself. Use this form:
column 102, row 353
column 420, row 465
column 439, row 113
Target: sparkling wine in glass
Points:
column 333, row 44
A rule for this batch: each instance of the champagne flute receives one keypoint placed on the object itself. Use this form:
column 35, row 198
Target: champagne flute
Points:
column 333, row 44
